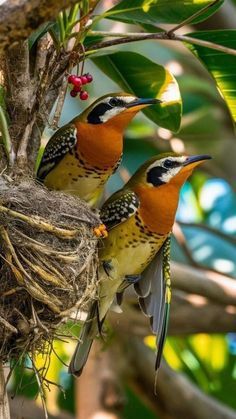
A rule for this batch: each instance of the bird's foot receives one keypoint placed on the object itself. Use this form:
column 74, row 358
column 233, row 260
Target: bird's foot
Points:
column 107, row 266
column 100, row 231
column 132, row 279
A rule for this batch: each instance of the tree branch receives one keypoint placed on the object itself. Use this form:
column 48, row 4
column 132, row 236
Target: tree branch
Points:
column 212, row 285
column 19, row 90
column 18, row 18
column 189, row 314
column 175, row 393
column 195, row 314
column 124, row 38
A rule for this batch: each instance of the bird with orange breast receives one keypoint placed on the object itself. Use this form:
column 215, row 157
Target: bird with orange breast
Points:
column 139, row 219
column 81, row 156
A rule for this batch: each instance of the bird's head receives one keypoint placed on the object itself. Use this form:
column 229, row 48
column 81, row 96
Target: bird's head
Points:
column 158, row 183
column 115, row 109
column 168, row 169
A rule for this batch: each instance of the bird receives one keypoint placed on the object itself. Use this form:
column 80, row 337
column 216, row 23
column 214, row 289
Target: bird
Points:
column 139, row 219
column 81, row 156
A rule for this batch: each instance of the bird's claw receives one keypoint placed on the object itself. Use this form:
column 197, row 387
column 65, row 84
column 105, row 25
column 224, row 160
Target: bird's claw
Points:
column 100, row 231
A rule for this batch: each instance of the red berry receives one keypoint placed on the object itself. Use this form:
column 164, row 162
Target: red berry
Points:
column 83, row 95
column 76, row 88
column 89, row 78
column 71, row 78
column 83, row 79
column 73, row 93
column 77, row 81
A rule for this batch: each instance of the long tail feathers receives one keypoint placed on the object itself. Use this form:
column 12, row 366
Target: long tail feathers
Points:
column 89, row 331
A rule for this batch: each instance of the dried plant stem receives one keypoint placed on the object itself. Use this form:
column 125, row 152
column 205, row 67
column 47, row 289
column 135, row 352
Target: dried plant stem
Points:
column 4, row 405
column 40, row 224
column 6, row 324
column 41, row 388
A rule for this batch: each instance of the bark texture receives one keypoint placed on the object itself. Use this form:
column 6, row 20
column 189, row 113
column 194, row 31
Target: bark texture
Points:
column 18, row 18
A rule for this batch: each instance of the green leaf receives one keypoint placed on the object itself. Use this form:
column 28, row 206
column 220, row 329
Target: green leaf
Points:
column 221, row 65
column 137, row 74
column 41, row 31
column 160, row 11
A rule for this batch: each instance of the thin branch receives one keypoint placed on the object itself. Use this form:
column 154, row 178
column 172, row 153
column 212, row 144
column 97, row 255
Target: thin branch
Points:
column 205, row 44
column 192, row 17
column 124, row 38
column 4, row 406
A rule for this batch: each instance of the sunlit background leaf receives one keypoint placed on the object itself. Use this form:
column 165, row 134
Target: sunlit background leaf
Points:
column 156, row 11
column 136, row 73
column 219, row 64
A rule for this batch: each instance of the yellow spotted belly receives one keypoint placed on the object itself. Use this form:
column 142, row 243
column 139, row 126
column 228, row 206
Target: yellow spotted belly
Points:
column 128, row 250
column 131, row 248
column 70, row 176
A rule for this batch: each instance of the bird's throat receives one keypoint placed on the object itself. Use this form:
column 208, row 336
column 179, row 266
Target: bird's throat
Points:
column 102, row 147
column 158, row 207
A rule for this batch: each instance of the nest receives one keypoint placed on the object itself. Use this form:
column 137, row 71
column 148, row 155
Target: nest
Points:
column 47, row 266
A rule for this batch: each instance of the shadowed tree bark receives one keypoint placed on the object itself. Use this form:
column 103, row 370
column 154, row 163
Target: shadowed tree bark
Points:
column 18, row 18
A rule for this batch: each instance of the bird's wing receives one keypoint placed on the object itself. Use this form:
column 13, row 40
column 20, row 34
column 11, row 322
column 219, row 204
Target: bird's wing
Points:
column 88, row 332
column 57, row 147
column 122, row 206
column 154, row 293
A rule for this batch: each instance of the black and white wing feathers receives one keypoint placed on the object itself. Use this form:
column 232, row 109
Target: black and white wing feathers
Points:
column 154, row 294
column 119, row 208
column 57, row 147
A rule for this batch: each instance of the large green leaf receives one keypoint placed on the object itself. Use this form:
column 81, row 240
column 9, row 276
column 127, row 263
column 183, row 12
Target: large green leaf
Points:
column 222, row 66
column 137, row 74
column 160, row 11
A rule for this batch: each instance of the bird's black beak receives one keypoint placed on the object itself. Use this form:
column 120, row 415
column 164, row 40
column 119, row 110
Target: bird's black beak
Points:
column 195, row 159
column 142, row 102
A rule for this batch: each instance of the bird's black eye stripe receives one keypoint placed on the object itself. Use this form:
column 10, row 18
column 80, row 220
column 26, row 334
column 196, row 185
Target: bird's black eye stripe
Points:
column 114, row 101
column 94, row 117
column 154, row 175
column 169, row 164
column 97, row 112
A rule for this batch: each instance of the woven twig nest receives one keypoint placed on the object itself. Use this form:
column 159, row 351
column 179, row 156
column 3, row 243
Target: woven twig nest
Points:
column 47, row 267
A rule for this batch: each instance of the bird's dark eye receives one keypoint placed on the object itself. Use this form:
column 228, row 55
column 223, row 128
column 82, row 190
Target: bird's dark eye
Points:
column 169, row 163
column 115, row 102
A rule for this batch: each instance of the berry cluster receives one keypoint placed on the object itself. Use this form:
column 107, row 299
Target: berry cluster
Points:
column 78, row 82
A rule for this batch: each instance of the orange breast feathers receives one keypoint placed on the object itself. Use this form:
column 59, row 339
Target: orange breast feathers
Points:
column 158, row 206
column 101, row 146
